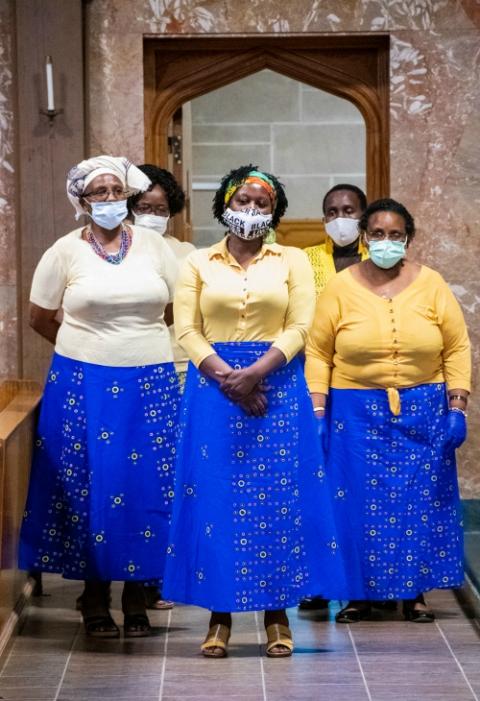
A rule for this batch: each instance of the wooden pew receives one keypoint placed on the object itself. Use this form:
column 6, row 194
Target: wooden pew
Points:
column 19, row 400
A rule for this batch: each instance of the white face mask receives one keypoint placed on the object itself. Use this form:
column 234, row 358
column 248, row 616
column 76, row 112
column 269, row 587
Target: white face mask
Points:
column 343, row 230
column 152, row 221
column 247, row 223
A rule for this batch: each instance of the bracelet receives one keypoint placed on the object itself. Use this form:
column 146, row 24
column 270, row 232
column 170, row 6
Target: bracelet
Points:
column 319, row 408
column 458, row 396
column 457, row 410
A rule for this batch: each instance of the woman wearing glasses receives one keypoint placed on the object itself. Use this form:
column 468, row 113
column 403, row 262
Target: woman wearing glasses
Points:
column 388, row 368
column 101, row 484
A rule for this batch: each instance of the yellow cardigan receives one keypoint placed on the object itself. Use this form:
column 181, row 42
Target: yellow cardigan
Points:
column 360, row 340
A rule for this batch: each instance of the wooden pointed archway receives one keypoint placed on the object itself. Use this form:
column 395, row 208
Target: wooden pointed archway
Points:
column 178, row 69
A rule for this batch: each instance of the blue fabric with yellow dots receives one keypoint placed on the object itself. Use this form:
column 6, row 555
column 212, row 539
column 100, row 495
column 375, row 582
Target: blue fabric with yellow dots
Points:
column 252, row 527
column 395, row 492
column 101, row 485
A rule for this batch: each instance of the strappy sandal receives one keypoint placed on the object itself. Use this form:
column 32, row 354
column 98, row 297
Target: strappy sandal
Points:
column 279, row 636
column 354, row 612
column 136, row 625
column 215, row 644
column 423, row 615
column 101, row 626
column 94, row 604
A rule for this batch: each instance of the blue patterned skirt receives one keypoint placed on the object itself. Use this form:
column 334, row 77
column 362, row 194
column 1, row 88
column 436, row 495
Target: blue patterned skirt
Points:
column 252, row 527
column 101, row 485
column 395, row 492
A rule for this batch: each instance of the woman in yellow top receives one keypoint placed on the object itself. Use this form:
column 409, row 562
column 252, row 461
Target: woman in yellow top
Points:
column 246, row 531
column 389, row 347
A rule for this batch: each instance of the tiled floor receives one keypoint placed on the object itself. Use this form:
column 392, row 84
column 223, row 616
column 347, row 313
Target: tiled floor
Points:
column 382, row 660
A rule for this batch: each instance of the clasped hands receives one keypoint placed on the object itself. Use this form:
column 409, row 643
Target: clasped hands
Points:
column 246, row 388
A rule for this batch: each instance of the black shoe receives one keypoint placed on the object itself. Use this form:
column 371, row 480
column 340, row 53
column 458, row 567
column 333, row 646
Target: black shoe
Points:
column 313, row 603
column 353, row 613
column 417, row 615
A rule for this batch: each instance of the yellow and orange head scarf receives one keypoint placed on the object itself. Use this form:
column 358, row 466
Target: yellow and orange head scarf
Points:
column 255, row 177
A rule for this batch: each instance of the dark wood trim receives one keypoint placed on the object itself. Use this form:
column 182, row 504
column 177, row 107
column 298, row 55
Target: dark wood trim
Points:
column 355, row 67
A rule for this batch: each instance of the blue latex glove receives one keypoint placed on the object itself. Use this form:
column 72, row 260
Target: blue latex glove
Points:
column 322, row 433
column 455, row 430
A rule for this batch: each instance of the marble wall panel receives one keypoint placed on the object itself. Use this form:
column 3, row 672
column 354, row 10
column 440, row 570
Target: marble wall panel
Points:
column 8, row 242
column 435, row 72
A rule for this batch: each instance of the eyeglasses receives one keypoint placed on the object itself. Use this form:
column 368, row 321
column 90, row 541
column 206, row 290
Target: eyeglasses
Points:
column 103, row 193
column 161, row 210
column 380, row 235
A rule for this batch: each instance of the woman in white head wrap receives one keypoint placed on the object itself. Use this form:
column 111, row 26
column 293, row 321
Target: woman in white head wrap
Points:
column 102, row 479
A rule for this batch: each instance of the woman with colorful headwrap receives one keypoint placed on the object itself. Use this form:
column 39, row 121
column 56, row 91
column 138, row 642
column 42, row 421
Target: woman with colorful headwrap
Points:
column 101, row 483
column 245, row 530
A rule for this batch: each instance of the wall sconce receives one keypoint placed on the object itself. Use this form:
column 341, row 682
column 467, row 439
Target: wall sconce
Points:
column 50, row 112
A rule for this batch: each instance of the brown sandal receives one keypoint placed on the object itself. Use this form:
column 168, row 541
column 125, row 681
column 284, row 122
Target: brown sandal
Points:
column 215, row 644
column 279, row 636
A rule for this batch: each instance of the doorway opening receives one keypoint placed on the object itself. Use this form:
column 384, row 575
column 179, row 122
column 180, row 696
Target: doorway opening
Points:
column 215, row 103
column 310, row 139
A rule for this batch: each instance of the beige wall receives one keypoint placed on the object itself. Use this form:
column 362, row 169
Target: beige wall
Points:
column 435, row 131
column 309, row 138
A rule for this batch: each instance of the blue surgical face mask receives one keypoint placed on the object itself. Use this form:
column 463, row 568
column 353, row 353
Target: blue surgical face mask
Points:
column 109, row 215
column 387, row 253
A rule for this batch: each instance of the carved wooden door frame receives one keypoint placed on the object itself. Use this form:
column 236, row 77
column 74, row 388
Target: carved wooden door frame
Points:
column 355, row 67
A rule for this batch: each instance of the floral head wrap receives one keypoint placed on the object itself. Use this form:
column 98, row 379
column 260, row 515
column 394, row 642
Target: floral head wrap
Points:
column 255, row 177
column 82, row 174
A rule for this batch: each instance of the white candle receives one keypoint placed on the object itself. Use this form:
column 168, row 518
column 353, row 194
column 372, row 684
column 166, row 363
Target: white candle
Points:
column 49, row 69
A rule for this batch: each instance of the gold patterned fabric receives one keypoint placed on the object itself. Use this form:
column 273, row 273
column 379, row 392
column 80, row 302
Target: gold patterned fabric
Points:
column 321, row 259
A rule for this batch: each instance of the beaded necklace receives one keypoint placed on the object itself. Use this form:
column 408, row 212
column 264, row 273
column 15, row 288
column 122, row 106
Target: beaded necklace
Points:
column 113, row 258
